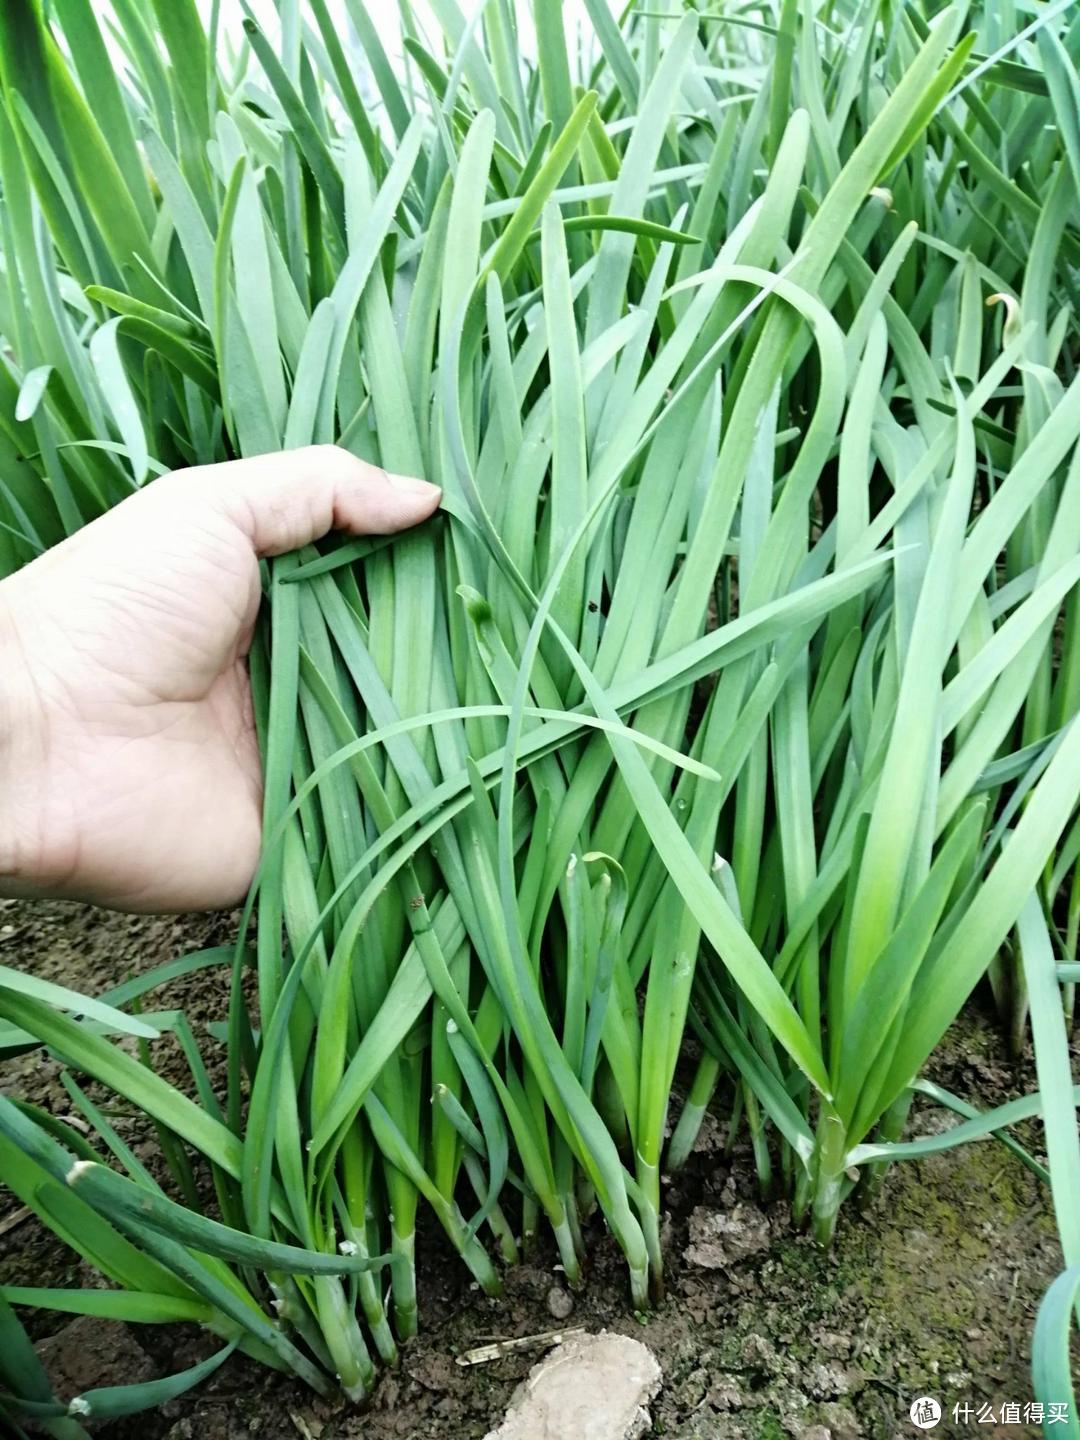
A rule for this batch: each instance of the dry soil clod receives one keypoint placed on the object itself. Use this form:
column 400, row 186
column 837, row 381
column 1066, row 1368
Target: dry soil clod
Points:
column 593, row 1387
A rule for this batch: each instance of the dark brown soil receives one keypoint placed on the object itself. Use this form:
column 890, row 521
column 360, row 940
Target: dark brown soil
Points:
column 934, row 1292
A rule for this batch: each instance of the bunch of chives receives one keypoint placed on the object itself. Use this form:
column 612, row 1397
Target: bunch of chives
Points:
column 733, row 690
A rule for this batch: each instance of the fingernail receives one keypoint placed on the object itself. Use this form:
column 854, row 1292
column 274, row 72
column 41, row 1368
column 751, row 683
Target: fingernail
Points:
column 412, row 485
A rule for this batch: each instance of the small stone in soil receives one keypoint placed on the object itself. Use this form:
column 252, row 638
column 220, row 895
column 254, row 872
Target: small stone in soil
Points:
column 593, row 1387
column 560, row 1302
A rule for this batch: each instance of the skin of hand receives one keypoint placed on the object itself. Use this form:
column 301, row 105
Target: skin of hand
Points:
column 129, row 769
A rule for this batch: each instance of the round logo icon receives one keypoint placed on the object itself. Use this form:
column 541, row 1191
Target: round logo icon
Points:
column 925, row 1412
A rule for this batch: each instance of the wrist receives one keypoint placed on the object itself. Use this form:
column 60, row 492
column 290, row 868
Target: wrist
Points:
column 24, row 761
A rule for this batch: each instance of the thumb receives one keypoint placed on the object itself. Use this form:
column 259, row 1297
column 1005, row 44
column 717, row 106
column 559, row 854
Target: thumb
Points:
column 289, row 499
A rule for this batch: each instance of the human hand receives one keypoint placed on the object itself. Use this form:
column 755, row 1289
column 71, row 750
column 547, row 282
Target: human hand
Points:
column 129, row 770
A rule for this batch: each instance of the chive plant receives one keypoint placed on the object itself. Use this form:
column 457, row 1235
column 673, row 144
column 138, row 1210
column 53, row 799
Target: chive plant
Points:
column 732, row 691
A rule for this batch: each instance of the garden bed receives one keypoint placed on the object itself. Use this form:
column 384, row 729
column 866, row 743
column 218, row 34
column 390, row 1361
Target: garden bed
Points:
column 936, row 1294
